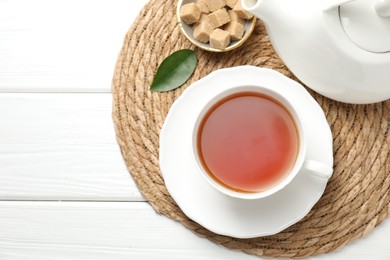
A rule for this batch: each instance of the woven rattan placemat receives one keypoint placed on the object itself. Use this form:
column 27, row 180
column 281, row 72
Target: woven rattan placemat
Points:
column 358, row 195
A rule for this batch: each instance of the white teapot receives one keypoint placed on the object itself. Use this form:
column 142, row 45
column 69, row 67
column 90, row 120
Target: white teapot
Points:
column 339, row 48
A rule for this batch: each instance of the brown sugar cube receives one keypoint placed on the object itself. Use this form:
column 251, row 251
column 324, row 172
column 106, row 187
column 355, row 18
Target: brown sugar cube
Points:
column 203, row 6
column 203, row 29
column 219, row 39
column 190, row 13
column 231, row 3
column 204, row 18
column 241, row 12
column 219, row 17
column 235, row 18
column 235, row 29
column 214, row 5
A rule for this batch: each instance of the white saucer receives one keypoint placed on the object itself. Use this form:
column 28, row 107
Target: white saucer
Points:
column 210, row 208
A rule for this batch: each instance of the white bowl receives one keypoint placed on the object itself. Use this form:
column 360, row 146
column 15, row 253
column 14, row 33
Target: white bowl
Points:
column 188, row 31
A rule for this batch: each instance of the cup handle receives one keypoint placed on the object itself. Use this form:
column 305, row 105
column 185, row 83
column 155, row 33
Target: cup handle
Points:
column 317, row 168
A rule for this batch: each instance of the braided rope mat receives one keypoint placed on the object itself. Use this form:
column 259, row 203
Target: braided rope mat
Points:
column 357, row 197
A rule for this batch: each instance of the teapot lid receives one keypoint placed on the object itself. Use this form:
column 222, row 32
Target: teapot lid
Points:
column 367, row 23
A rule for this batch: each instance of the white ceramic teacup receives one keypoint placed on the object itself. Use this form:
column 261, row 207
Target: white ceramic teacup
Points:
column 301, row 163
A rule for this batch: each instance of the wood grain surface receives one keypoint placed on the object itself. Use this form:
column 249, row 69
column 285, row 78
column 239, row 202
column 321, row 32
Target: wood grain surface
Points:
column 120, row 230
column 65, row 192
column 61, row 147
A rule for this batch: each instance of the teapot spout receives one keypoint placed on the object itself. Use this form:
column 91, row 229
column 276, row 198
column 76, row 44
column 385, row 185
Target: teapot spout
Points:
column 256, row 7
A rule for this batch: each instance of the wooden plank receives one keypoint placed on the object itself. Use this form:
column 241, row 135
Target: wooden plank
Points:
column 62, row 46
column 70, row 230
column 118, row 230
column 61, row 147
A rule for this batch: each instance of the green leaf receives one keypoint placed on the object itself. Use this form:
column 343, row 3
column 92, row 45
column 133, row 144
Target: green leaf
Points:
column 174, row 71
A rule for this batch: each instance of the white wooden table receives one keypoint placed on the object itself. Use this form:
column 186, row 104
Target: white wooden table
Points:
column 65, row 192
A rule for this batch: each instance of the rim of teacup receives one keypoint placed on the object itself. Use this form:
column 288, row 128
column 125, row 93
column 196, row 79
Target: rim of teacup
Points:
column 299, row 160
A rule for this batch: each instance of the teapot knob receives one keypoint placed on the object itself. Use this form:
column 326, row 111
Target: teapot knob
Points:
column 382, row 8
